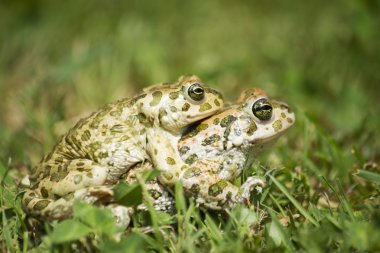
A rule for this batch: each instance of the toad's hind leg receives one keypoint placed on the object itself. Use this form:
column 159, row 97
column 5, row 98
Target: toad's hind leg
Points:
column 71, row 176
column 62, row 208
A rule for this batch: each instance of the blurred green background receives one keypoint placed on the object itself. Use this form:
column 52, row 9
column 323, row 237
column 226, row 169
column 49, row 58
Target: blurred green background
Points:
column 62, row 59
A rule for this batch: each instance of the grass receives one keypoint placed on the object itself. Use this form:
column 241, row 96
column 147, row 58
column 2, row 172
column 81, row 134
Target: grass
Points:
column 62, row 60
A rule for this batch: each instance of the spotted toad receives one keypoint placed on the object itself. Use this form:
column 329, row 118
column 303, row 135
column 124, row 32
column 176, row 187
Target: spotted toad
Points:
column 105, row 145
column 218, row 149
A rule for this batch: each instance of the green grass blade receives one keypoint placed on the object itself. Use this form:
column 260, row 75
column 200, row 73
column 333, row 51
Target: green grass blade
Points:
column 294, row 201
column 368, row 175
column 345, row 202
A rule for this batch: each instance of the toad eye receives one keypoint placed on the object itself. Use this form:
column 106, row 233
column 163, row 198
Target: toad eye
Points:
column 262, row 109
column 196, row 92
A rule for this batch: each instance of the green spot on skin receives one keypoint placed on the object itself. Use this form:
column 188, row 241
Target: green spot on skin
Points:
column 138, row 98
column 32, row 194
column 252, row 128
column 162, row 112
column 141, row 117
column 58, row 160
column 216, row 102
column 41, row 205
column 157, row 95
column 168, row 176
column 27, row 200
column 154, row 194
column 217, row 188
column 54, row 177
column 132, row 120
column 192, row 172
column 185, row 107
column 173, row 95
column 195, row 131
column 216, row 121
column 47, row 170
column 77, row 179
column 277, row 125
column 202, row 127
column 48, row 157
column 173, row 108
column 117, row 129
column 205, row 107
column 105, row 129
column 94, row 124
column 289, row 120
column 93, row 147
column 103, row 155
column 283, row 115
column 44, row 192
column 195, row 188
column 61, row 168
column 170, row 161
column 123, row 138
column 191, row 159
column 211, row 139
column 216, row 93
column 285, row 107
column 86, row 135
column 183, row 150
column 117, row 112
column 227, row 121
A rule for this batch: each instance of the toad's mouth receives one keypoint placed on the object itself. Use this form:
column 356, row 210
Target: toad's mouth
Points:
column 268, row 139
column 203, row 116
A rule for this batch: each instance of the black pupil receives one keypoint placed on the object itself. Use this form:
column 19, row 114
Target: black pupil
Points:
column 196, row 92
column 266, row 107
column 262, row 109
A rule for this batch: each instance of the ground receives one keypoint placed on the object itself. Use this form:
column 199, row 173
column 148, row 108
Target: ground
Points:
column 61, row 60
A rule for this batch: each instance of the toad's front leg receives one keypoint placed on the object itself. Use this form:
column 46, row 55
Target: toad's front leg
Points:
column 210, row 190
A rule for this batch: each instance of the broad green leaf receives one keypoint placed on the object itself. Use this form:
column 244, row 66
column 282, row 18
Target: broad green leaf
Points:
column 69, row 230
column 128, row 195
column 95, row 217
column 275, row 233
column 134, row 242
column 151, row 174
column 278, row 234
column 247, row 216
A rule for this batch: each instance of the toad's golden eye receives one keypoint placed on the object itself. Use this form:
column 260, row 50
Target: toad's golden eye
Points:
column 262, row 109
column 196, row 92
